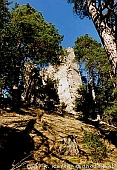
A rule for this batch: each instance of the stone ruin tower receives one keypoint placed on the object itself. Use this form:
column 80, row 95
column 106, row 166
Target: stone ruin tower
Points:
column 68, row 79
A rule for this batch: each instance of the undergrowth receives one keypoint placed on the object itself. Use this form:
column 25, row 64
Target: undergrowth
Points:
column 98, row 150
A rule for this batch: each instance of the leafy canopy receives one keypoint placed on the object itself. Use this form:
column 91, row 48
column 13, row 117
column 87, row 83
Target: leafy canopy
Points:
column 96, row 73
column 37, row 38
column 26, row 36
column 106, row 11
column 90, row 52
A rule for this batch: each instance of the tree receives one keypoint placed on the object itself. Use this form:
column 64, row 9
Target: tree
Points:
column 85, row 103
column 4, row 17
column 27, row 37
column 104, row 16
column 97, row 76
column 4, row 13
column 86, row 49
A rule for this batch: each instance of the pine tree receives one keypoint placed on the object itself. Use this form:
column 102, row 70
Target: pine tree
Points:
column 4, row 17
column 27, row 37
column 104, row 16
column 97, row 76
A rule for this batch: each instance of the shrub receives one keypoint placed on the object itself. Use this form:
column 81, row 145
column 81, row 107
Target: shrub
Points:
column 98, row 149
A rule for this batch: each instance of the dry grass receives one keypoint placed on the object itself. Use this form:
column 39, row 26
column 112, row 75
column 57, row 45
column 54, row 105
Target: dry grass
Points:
column 51, row 130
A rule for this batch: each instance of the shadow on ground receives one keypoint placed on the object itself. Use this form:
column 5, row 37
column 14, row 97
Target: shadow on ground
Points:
column 15, row 145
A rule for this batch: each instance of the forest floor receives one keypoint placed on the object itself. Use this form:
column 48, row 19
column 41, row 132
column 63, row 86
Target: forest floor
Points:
column 59, row 143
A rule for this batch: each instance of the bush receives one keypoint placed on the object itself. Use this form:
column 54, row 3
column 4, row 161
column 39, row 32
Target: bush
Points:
column 98, row 149
column 85, row 103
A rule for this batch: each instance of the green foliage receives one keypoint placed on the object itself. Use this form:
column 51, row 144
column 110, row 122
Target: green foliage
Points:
column 36, row 39
column 80, row 8
column 4, row 13
column 85, row 103
column 4, row 17
column 51, row 96
column 96, row 74
column 111, row 111
column 103, row 14
column 105, row 94
column 45, row 96
column 90, row 52
column 63, row 107
column 26, row 36
column 96, row 146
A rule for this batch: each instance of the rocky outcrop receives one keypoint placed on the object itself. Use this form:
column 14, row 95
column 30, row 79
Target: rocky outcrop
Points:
column 67, row 77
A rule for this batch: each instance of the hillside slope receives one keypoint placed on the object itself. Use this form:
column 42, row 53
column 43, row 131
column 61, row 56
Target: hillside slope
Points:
column 55, row 142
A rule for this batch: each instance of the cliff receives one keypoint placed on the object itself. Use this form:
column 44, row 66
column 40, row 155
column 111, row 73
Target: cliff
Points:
column 68, row 79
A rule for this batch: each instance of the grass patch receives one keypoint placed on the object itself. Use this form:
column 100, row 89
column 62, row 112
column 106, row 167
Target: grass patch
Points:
column 98, row 150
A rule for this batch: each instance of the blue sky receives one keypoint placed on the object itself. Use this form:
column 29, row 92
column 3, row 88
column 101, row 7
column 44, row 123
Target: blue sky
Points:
column 60, row 13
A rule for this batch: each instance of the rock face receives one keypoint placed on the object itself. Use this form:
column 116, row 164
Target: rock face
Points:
column 66, row 75
column 68, row 79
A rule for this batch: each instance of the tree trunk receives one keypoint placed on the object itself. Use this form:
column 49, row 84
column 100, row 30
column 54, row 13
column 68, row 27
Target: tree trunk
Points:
column 16, row 96
column 92, row 84
column 105, row 34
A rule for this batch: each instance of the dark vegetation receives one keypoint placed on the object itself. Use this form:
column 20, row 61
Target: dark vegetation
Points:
column 98, row 91
column 26, row 38
column 16, row 145
column 103, row 14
